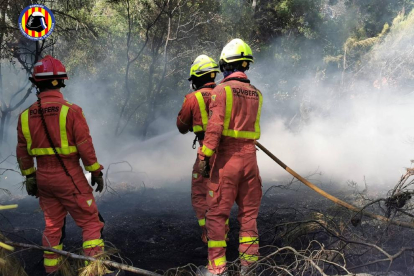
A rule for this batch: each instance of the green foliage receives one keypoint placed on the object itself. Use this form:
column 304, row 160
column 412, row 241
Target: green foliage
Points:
column 140, row 52
column 392, row 60
column 373, row 14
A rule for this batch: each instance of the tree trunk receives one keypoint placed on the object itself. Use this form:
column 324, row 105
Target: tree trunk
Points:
column 151, row 99
column 2, row 125
column 154, row 96
column 2, row 31
column 2, row 100
column 6, row 127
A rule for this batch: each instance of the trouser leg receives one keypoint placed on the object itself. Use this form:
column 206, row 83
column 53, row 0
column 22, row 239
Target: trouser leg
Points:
column 248, row 200
column 84, row 211
column 55, row 218
column 222, row 191
column 198, row 194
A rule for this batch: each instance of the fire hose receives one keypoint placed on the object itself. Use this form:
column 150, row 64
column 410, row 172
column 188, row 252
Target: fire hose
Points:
column 331, row 197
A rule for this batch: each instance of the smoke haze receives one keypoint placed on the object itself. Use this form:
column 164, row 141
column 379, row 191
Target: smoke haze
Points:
column 366, row 133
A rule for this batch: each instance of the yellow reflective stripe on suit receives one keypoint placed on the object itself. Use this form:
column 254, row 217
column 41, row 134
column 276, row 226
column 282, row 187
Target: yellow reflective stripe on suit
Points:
column 24, row 119
column 229, row 108
column 219, row 261
column 64, row 144
column 254, row 135
column 49, row 151
column 202, row 222
column 93, row 167
column 197, row 129
column 93, row 243
column 249, row 240
column 203, row 112
column 208, row 152
column 28, row 171
column 64, row 148
column 53, row 261
column 249, row 258
column 59, row 247
column 212, row 244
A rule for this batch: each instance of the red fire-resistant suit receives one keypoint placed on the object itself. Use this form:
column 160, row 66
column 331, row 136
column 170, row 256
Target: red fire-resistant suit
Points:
column 57, row 193
column 233, row 126
column 194, row 116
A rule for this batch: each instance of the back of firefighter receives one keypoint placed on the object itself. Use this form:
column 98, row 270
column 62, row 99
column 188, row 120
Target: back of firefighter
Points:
column 193, row 116
column 233, row 127
column 55, row 132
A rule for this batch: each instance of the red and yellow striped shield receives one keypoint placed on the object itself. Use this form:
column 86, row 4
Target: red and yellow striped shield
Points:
column 36, row 22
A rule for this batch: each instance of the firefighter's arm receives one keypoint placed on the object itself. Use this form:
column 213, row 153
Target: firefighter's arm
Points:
column 24, row 159
column 185, row 117
column 215, row 122
column 84, row 144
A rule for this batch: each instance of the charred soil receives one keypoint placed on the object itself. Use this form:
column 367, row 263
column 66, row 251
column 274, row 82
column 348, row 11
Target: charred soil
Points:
column 156, row 229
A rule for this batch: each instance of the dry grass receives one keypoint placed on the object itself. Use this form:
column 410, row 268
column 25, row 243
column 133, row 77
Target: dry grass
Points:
column 95, row 268
column 9, row 265
column 65, row 268
column 319, row 223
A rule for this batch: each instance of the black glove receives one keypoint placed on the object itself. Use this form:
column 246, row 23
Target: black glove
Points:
column 204, row 167
column 31, row 184
column 98, row 179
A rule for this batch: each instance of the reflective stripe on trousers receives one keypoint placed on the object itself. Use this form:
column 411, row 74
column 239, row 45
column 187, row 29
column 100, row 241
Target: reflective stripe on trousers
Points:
column 51, row 260
column 248, row 250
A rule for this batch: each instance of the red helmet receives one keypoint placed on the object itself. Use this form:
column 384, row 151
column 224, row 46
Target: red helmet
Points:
column 49, row 68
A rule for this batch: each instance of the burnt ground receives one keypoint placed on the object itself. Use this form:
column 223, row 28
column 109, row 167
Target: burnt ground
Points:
column 155, row 229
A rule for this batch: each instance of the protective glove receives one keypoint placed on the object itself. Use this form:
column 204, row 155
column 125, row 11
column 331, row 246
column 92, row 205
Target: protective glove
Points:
column 31, row 184
column 204, row 167
column 98, row 179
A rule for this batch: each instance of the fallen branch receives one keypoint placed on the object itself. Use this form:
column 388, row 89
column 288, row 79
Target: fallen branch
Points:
column 85, row 258
column 390, row 258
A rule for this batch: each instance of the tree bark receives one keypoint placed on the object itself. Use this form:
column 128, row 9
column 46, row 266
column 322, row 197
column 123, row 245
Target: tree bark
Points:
column 130, row 62
column 154, row 95
column 2, row 101
column 2, row 123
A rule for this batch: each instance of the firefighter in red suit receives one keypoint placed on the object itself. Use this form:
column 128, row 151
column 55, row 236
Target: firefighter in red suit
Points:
column 55, row 132
column 232, row 129
column 193, row 116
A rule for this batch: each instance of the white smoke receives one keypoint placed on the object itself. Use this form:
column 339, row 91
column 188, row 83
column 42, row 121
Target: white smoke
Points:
column 365, row 134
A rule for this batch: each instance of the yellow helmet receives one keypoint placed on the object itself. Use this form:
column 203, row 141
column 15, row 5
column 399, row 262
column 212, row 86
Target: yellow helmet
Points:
column 203, row 65
column 236, row 50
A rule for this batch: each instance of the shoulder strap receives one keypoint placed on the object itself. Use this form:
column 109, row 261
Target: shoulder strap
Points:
column 208, row 86
column 237, row 79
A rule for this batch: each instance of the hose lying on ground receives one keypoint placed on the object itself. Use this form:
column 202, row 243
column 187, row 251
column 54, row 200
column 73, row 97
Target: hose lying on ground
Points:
column 331, row 197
